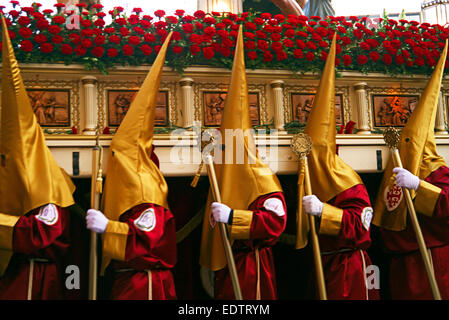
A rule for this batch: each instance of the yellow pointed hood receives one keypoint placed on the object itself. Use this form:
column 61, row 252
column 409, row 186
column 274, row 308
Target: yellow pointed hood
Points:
column 240, row 183
column 132, row 177
column 417, row 150
column 329, row 175
column 29, row 174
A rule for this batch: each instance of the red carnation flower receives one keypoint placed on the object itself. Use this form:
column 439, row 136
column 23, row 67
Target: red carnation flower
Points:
column 179, row 12
column 26, row 45
column 199, row 14
column 387, row 59
column 298, row 53
column 146, row 49
column 127, row 50
column 99, row 23
column 66, row 49
column 124, row 31
column 374, row 56
column 40, row 38
column 114, row 39
column 362, row 59
column 57, row 39
column 347, row 60
column 98, row 51
column 194, row 49
column 252, row 55
column 148, row 37
column 25, row 32
column 187, row 27
column 112, row 52
column 53, row 29
column 210, row 31
column 310, row 56
column 80, row 50
column 86, row 43
column 24, row 21
column 177, row 49
column 100, row 39
column 159, row 13
column 208, row 52
column 46, row 47
column 85, row 23
column 137, row 10
column 134, row 40
column 267, row 56
column 262, row 44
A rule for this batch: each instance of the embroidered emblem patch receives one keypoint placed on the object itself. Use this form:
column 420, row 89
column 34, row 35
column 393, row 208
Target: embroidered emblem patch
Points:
column 147, row 220
column 48, row 214
column 367, row 216
column 392, row 196
column 275, row 205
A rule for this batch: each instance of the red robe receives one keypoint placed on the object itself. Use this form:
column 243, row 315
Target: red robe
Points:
column 33, row 238
column 153, row 250
column 343, row 271
column 408, row 277
column 266, row 227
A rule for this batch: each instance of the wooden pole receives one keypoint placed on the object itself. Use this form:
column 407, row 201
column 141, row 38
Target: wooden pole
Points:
column 419, row 237
column 95, row 204
column 223, row 232
column 314, row 237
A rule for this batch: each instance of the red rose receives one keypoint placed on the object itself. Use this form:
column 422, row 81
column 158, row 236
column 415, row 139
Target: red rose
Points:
column 134, row 40
column 112, row 52
column 194, row 49
column 347, row 60
column 26, row 45
column 127, row 50
column 66, row 49
column 177, row 49
column 310, row 56
column 98, row 51
column 57, row 39
column 46, row 47
column 298, row 53
column 208, row 52
column 387, row 59
column 25, row 32
column 252, row 55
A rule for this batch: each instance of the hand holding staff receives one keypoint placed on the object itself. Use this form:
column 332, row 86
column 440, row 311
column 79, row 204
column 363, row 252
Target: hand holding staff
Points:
column 208, row 160
column 302, row 145
column 392, row 138
column 96, row 190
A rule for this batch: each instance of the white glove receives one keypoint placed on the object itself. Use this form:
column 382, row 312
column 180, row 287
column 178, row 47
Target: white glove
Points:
column 312, row 205
column 219, row 213
column 96, row 221
column 406, row 179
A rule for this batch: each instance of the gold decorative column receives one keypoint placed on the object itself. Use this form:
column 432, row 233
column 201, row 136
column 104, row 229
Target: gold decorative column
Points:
column 277, row 87
column 188, row 115
column 440, row 123
column 361, row 103
column 90, row 105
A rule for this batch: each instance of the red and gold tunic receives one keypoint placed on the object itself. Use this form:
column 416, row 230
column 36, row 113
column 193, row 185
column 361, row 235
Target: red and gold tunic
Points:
column 344, row 237
column 256, row 230
column 408, row 277
column 143, row 247
column 39, row 241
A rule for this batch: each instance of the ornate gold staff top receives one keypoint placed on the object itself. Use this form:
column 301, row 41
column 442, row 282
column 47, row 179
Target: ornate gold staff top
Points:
column 301, row 144
column 392, row 138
